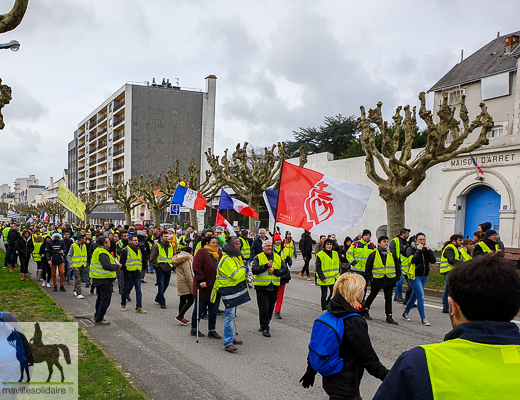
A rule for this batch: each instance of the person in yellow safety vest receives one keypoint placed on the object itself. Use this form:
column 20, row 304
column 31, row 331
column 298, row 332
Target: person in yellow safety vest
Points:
column 283, row 252
column 383, row 269
column 327, row 271
column 358, row 253
column 103, row 273
column 38, row 241
column 8, row 253
column 466, row 250
column 77, row 258
column 161, row 257
column 487, row 245
column 245, row 247
column 120, row 245
column 267, row 268
column 449, row 257
column 131, row 265
column 290, row 248
column 231, row 284
column 484, row 339
column 398, row 247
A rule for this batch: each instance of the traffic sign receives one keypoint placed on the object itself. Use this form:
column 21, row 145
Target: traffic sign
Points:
column 175, row 209
column 142, row 214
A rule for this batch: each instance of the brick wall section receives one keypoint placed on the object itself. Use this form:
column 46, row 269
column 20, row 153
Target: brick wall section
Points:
column 166, row 125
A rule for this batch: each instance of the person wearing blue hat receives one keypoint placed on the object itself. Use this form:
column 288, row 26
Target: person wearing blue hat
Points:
column 487, row 245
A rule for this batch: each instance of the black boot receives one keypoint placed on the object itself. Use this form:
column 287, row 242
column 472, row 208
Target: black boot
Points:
column 390, row 320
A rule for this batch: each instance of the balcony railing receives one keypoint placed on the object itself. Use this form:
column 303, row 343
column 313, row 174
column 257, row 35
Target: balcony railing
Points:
column 82, row 144
column 93, row 123
column 81, row 179
column 119, row 120
column 103, row 185
column 101, row 172
column 101, row 159
column 102, row 132
column 100, row 146
column 119, row 136
column 92, row 136
column 81, row 157
column 119, row 105
column 119, row 182
column 118, row 166
column 81, row 167
column 102, row 118
column 92, row 187
column 121, row 151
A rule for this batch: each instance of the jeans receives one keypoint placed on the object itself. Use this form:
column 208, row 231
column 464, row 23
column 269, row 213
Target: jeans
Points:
column 144, row 267
column 229, row 319
column 324, row 299
column 266, row 299
column 39, row 265
column 247, row 263
column 150, row 266
column 305, row 268
column 212, row 313
column 67, row 269
column 132, row 279
column 417, row 286
column 163, row 281
column 388, row 298
column 104, row 297
column 399, row 287
column 87, row 276
column 8, row 256
column 445, row 294
column 24, row 264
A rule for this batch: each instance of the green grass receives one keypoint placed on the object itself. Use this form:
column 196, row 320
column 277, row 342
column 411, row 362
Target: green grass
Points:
column 435, row 281
column 98, row 377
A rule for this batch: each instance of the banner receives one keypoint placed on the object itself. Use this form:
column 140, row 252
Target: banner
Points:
column 318, row 203
column 69, row 200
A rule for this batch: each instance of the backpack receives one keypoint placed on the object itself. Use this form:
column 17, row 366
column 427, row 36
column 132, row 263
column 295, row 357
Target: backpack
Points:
column 326, row 337
column 13, row 362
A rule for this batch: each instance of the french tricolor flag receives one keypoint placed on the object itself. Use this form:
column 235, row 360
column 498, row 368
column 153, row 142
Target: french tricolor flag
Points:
column 221, row 221
column 228, row 203
column 188, row 197
column 44, row 216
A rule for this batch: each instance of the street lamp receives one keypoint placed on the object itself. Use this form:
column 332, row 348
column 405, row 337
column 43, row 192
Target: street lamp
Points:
column 14, row 45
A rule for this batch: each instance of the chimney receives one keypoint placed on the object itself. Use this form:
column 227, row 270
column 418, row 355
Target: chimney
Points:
column 461, row 57
column 511, row 43
column 52, row 181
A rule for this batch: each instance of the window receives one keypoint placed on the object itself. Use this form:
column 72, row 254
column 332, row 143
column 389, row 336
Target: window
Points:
column 110, row 122
column 110, row 151
column 110, row 136
column 497, row 131
column 109, row 165
column 110, row 107
column 495, row 86
column 455, row 97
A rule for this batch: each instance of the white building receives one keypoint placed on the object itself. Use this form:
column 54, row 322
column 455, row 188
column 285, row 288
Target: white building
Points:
column 454, row 198
column 21, row 184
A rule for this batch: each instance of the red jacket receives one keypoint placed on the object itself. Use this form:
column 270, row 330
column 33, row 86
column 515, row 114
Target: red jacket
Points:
column 204, row 270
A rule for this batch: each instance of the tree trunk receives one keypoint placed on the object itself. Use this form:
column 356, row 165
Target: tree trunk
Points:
column 128, row 217
column 193, row 219
column 394, row 216
column 87, row 217
column 156, row 213
column 254, row 204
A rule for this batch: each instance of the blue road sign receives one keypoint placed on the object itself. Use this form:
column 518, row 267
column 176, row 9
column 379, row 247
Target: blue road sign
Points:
column 175, row 209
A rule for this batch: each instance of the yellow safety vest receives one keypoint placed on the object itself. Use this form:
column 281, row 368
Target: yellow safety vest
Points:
column 133, row 260
column 464, row 253
column 36, row 251
column 485, row 248
column 198, row 247
column 246, row 249
column 329, row 267
column 264, row 279
column 380, row 270
column 79, row 257
column 96, row 269
column 162, row 257
column 290, row 249
column 359, row 252
column 5, row 232
column 461, row 369
column 405, row 261
column 445, row 265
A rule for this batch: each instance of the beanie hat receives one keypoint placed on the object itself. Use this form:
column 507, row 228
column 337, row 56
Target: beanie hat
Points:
column 277, row 236
column 490, row 233
column 486, row 226
column 366, row 232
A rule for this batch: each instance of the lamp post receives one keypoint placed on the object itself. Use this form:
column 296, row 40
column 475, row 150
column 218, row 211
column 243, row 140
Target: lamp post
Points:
column 14, row 45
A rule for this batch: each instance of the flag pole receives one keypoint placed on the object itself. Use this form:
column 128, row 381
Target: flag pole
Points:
column 277, row 200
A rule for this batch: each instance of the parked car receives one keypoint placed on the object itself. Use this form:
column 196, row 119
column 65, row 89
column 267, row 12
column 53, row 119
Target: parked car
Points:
column 143, row 224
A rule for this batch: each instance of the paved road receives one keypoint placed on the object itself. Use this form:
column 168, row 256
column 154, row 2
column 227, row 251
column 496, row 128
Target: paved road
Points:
column 162, row 357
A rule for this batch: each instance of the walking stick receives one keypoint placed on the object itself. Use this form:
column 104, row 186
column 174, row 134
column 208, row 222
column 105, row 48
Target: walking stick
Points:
column 235, row 322
column 198, row 313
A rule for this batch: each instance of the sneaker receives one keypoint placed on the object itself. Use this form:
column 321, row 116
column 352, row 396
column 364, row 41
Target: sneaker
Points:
column 123, row 307
column 214, row 335
column 390, row 320
column 181, row 321
column 43, row 284
column 80, row 296
column 193, row 332
column 445, row 311
column 425, row 322
column 266, row 333
column 104, row 322
column 140, row 311
column 68, row 282
column 87, row 285
column 406, row 317
column 301, row 275
column 277, row 315
column 163, row 306
column 185, row 321
column 74, row 293
column 48, row 284
column 398, row 299
column 367, row 316
column 62, row 289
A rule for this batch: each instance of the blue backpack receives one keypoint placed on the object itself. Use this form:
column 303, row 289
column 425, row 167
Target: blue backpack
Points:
column 326, row 336
column 13, row 362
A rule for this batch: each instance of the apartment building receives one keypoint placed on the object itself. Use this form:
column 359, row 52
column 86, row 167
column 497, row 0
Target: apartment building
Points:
column 140, row 130
column 21, row 184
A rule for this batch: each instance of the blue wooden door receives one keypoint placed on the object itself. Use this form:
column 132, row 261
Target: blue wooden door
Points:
column 482, row 205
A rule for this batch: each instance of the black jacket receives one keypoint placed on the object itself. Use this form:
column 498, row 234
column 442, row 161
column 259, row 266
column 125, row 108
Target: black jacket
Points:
column 319, row 271
column 107, row 265
column 409, row 378
column 384, row 281
column 123, row 256
column 53, row 251
column 450, row 255
column 12, row 237
column 421, row 258
column 477, row 250
column 256, row 247
column 356, row 351
column 24, row 247
column 305, row 245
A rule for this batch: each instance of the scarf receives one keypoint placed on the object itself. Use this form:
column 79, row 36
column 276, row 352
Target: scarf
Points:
column 231, row 251
column 214, row 253
column 287, row 241
column 383, row 251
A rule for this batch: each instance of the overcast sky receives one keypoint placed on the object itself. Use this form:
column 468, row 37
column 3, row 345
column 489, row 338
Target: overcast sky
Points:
column 280, row 64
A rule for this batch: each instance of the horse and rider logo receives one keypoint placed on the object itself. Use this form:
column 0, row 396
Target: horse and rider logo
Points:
column 49, row 353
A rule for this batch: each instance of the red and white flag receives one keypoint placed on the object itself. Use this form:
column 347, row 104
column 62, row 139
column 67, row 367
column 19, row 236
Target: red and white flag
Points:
column 318, row 203
column 221, row 221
